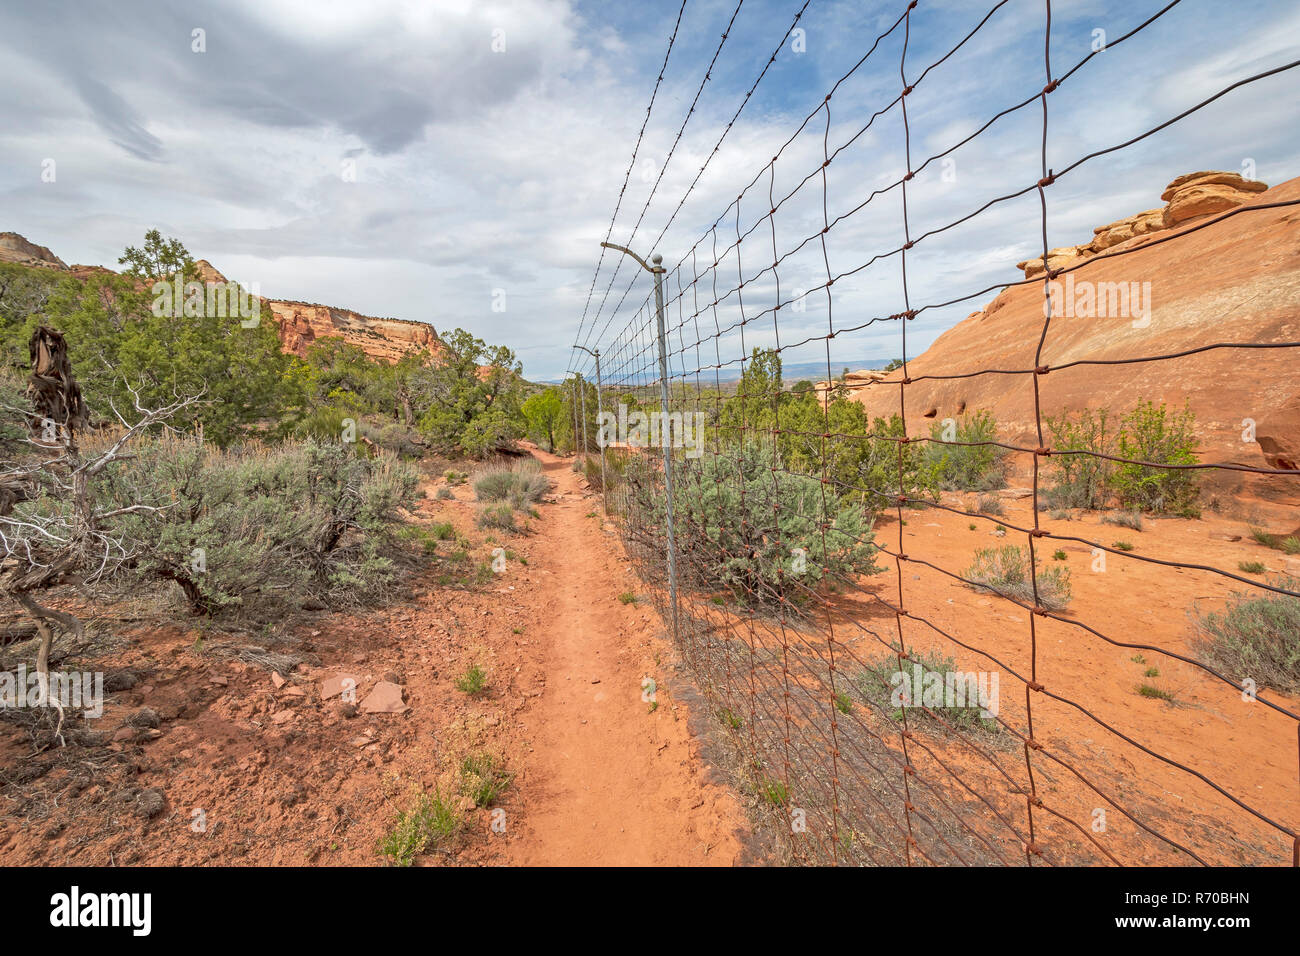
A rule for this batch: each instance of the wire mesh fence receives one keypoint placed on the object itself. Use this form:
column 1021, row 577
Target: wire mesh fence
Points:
column 893, row 642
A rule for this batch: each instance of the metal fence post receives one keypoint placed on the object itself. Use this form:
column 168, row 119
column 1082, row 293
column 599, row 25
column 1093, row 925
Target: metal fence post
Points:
column 582, row 386
column 657, row 270
column 600, row 414
column 575, row 414
column 664, row 437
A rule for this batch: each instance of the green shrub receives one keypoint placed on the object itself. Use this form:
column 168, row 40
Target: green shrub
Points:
column 1254, row 637
column 1080, row 480
column 520, row 482
column 483, row 779
column 1251, row 567
column 473, row 681
column 500, row 516
column 443, row 494
column 757, row 532
column 1123, row 546
column 1152, row 433
column 429, row 823
column 1005, row 571
column 890, row 689
column 256, row 525
column 968, row 466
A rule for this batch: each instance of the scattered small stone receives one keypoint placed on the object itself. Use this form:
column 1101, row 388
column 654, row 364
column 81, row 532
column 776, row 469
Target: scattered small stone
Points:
column 122, row 680
column 334, row 686
column 149, row 803
column 595, row 680
column 144, row 717
column 386, row 698
column 277, row 680
column 347, row 710
column 219, row 681
column 1224, row 536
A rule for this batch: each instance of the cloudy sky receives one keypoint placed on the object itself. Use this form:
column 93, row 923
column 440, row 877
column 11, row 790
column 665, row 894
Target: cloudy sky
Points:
column 429, row 160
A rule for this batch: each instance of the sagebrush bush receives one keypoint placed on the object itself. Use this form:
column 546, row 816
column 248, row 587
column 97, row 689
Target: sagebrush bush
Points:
column 500, row 516
column 989, row 505
column 1254, row 637
column 520, row 483
column 1005, row 571
column 261, row 525
column 891, row 689
column 968, row 466
column 1123, row 519
column 748, row 529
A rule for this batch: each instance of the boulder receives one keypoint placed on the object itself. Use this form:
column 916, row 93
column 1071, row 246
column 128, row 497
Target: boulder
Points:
column 1192, row 202
column 1278, row 434
column 1213, row 178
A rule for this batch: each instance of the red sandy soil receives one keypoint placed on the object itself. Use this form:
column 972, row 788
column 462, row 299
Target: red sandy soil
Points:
column 1246, row 748
column 285, row 778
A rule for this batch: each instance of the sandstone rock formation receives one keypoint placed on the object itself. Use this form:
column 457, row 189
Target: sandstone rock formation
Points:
column 302, row 323
column 1234, row 281
column 854, row 380
column 1188, row 197
column 1278, row 434
column 14, row 248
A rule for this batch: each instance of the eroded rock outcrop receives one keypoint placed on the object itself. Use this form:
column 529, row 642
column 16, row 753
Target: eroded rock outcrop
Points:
column 14, row 248
column 302, row 323
column 1188, row 197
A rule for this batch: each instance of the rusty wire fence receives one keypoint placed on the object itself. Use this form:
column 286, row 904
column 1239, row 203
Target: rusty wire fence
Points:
column 809, row 579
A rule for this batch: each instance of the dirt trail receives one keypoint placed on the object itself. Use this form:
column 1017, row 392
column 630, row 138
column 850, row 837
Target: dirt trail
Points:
column 608, row 780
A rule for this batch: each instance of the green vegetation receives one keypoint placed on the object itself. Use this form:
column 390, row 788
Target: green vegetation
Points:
column 974, row 463
column 891, row 689
column 1147, row 433
column 1252, row 567
column 483, row 779
column 544, row 412
column 759, row 533
column 255, row 526
column 500, row 516
column 1254, row 637
column 1005, row 571
column 520, row 482
column 1147, row 690
column 473, row 682
column 429, row 823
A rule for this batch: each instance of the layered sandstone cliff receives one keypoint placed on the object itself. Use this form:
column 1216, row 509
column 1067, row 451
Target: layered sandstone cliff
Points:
column 1235, row 281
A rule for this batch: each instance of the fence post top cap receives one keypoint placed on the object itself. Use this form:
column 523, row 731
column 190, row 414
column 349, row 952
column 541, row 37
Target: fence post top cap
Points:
column 657, row 258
